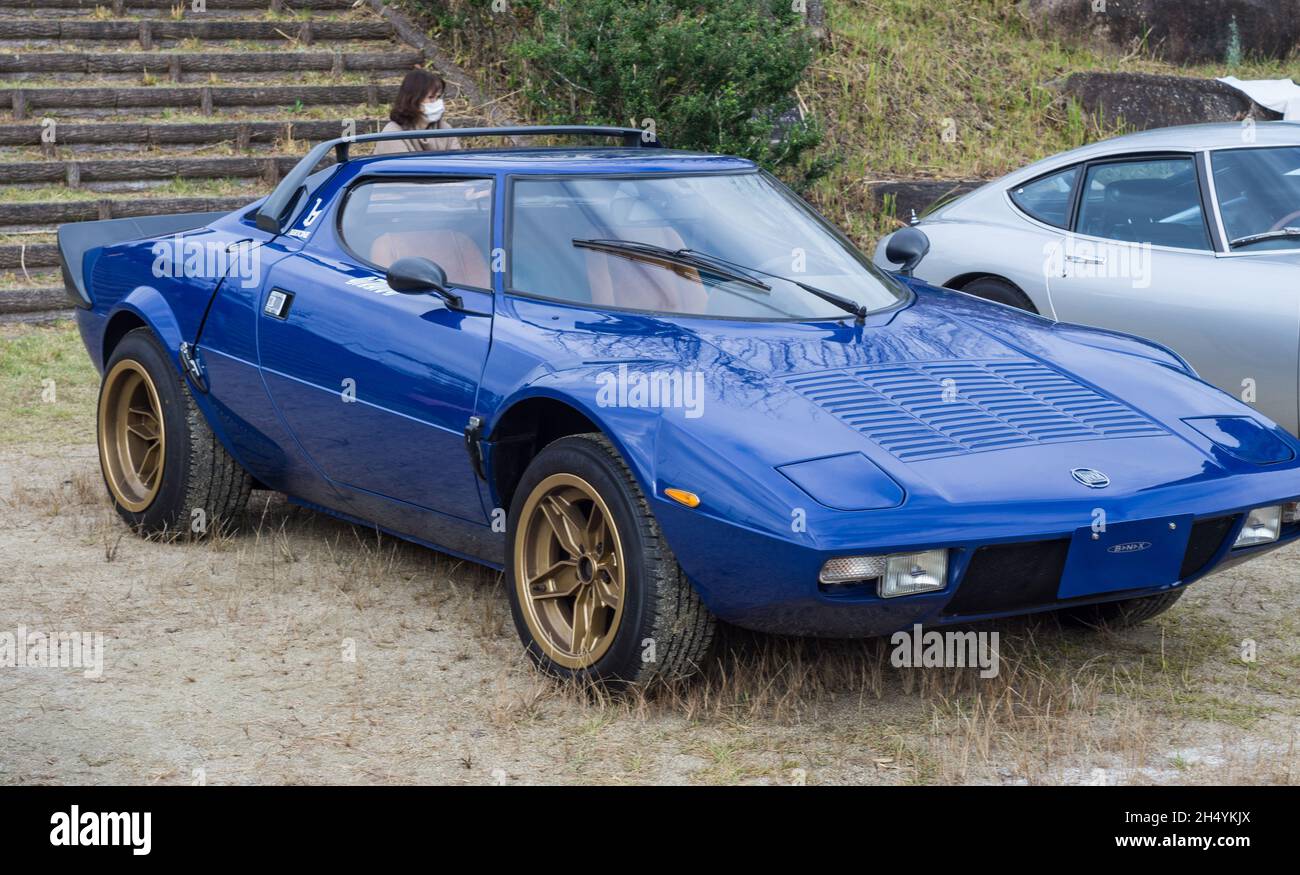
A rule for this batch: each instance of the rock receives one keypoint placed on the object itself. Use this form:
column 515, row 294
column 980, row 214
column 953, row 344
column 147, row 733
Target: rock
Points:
column 1143, row 101
column 918, row 194
column 1180, row 31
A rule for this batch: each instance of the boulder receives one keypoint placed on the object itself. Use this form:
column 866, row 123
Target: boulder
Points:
column 1141, row 101
column 1180, row 31
column 919, row 195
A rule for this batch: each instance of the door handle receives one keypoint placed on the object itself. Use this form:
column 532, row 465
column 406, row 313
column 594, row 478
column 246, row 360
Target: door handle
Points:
column 1083, row 259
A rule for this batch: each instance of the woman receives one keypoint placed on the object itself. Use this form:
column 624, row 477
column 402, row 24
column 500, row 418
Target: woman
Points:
column 418, row 106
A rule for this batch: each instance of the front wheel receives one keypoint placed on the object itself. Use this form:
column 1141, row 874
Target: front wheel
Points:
column 594, row 590
column 165, row 471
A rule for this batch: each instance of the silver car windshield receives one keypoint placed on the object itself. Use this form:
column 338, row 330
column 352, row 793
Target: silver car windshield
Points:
column 724, row 245
column 1259, row 197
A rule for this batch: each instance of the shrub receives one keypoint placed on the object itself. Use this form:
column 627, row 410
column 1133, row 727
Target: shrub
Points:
column 712, row 75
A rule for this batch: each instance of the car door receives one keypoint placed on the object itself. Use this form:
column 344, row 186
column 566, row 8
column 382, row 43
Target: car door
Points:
column 377, row 386
column 1142, row 259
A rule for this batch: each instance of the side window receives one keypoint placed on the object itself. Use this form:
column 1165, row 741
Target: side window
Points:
column 446, row 221
column 1048, row 198
column 1156, row 202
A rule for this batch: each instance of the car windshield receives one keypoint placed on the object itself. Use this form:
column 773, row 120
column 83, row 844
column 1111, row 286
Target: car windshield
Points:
column 1259, row 196
column 723, row 245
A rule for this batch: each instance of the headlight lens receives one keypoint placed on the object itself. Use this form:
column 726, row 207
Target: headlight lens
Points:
column 1263, row 524
column 909, row 573
column 894, row 575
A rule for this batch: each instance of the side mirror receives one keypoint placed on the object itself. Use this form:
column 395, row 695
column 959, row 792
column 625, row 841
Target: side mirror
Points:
column 416, row 276
column 907, row 247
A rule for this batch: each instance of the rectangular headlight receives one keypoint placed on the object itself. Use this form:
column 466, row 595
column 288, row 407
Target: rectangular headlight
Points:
column 909, row 573
column 894, row 575
column 1263, row 524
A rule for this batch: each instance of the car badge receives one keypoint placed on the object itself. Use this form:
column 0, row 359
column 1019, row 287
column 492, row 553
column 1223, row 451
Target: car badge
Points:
column 1091, row 478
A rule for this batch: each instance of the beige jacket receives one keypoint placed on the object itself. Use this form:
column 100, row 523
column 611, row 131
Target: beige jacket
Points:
column 433, row 144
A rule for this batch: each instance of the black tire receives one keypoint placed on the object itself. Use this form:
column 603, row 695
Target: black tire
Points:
column 661, row 614
column 991, row 288
column 198, row 475
column 1121, row 615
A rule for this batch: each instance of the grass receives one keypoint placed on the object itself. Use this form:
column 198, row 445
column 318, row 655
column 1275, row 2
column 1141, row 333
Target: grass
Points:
column 48, row 386
column 766, row 709
column 898, row 74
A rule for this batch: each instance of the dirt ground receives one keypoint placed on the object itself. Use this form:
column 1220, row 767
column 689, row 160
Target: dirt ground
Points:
column 226, row 662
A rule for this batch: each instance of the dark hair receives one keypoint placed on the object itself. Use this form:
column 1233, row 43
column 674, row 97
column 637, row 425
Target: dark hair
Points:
column 406, row 106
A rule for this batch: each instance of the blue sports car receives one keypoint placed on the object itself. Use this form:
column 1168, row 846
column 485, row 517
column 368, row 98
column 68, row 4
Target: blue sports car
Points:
column 658, row 390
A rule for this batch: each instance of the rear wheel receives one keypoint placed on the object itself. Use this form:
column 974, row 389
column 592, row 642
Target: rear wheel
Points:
column 164, row 469
column 992, row 288
column 1129, row 612
column 594, row 590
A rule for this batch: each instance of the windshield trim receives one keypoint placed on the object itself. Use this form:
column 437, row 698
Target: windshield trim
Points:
column 903, row 292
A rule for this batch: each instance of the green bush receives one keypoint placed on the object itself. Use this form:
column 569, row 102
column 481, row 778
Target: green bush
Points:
column 712, row 75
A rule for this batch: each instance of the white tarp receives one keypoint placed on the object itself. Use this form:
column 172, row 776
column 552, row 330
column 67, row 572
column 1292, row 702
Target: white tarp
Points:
column 1279, row 95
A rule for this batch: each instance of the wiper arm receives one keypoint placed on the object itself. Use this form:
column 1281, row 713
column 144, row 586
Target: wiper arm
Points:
column 1267, row 235
column 683, row 257
column 846, row 304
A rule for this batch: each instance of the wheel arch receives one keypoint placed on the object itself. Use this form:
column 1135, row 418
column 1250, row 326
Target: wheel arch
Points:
column 961, row 281
column 523, row 429
column 143, row 308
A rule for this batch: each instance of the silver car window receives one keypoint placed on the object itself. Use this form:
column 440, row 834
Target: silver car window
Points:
column 1155, row 201
column 1259, row 193
column 1048, row 198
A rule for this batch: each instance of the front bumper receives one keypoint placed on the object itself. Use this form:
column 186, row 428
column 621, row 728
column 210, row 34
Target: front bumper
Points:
column 758, row 582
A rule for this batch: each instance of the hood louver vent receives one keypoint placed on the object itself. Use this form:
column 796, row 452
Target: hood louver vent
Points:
column 927, row 410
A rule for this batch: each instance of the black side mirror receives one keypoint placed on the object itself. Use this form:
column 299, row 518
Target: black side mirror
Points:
column 416, row 276
column 907, row 247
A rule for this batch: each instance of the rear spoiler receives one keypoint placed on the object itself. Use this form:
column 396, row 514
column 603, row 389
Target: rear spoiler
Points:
column 78, row 238
column 274, row 214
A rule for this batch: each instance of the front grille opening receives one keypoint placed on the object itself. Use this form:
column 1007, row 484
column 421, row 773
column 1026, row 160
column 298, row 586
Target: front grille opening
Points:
column 1206, row 539
column 1009, row 577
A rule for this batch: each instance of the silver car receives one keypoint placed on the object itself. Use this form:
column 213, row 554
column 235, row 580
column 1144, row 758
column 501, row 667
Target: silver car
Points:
column 1188, row 236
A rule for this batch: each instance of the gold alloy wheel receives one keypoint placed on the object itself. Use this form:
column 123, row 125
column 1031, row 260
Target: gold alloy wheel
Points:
column 569, row 571
column 132, row 438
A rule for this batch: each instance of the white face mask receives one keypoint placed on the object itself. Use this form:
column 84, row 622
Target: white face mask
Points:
column 433, row 110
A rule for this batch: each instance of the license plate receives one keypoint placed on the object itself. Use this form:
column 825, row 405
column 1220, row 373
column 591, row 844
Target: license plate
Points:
column 1132, row 555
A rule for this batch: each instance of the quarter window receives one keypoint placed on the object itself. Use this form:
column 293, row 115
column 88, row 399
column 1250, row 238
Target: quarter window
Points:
column 446, row 221
column 1048, row 198
column 1156, row 201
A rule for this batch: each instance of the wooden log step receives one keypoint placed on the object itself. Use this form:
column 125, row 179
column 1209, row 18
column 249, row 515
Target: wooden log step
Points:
column 16, row 256
column 50, row 213
column 148, row 29
column 33, row 300
column 36, row 318
column 240, row 134
column 23, row 100
column 78, row 172
column 176, row 63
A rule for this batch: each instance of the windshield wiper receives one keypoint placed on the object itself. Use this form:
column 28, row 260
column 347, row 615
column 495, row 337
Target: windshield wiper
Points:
column 1267, row 235
column 848, row 305
column 683, row 257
